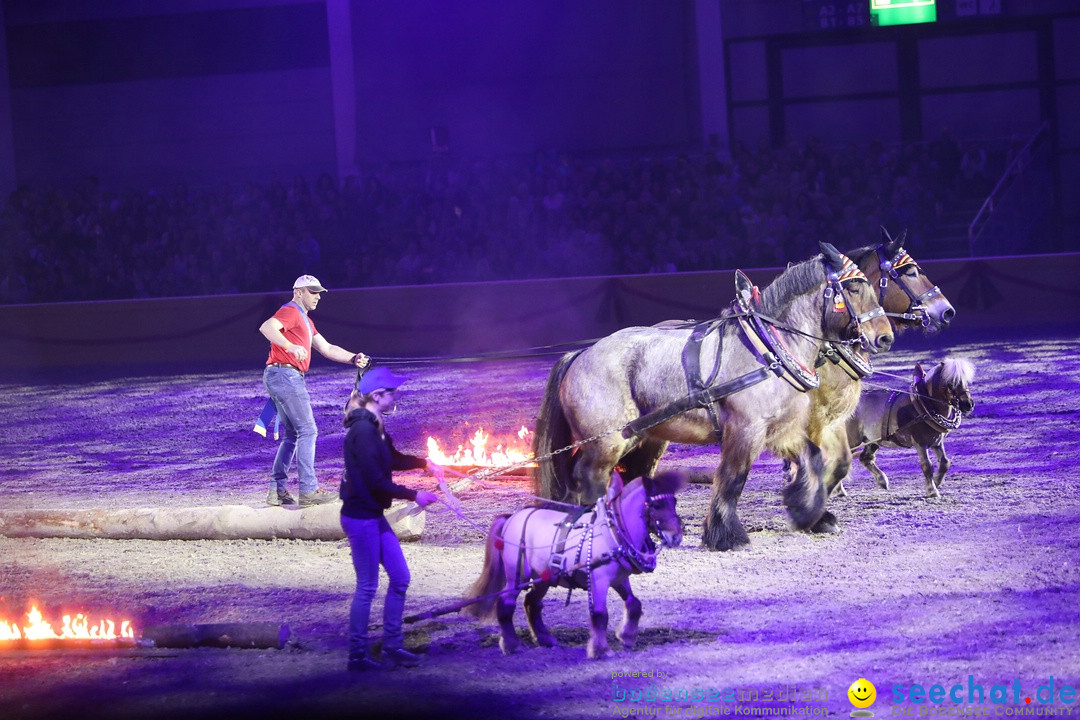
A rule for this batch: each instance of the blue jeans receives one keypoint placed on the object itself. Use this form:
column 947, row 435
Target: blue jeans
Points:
column 289, row 393
column 373, row 542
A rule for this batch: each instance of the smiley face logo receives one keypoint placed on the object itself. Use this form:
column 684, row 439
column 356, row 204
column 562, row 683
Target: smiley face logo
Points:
column 862, row 693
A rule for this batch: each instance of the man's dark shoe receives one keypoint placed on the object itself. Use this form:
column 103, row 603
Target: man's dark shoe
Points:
column 363, row 663
column 399, row 657
column 279, row 497
column 319, row 497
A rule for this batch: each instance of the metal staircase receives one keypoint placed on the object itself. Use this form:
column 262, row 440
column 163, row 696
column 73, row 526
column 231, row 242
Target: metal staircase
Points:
column 1016, row 217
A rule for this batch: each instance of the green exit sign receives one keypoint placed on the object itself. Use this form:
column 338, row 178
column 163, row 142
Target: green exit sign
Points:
column 902, row 12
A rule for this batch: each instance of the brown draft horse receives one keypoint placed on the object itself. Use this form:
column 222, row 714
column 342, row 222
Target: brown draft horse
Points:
column 638, row 371
column 541, row 548
column 911, row 300
column 934, row 407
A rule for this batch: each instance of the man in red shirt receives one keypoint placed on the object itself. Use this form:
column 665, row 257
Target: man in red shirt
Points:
column 292, row 336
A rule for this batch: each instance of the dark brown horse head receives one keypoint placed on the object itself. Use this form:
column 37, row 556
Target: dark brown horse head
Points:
column 852, row 311
column 660, row 511
column 909, row 297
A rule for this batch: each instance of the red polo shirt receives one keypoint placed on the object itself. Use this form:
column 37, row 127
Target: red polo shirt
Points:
column 298, row 330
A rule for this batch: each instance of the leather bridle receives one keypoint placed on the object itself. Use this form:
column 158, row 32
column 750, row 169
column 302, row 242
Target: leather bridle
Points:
column 835, row 295
column 890, row 268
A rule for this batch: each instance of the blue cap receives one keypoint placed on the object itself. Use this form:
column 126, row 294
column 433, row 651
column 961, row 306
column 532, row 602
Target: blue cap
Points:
column 379, row 378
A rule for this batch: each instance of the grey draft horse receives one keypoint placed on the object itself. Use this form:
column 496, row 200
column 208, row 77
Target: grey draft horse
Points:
column 639, row 370
column 921, row 418
column 911, row 300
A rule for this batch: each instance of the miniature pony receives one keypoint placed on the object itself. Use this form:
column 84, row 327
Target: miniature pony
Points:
column 922, row 418
column 593, row 549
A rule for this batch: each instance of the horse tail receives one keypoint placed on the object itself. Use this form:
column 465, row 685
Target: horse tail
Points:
column 492, row 577
column 554, row 475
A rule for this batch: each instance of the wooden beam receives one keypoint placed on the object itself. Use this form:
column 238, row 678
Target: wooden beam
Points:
column 226, row 522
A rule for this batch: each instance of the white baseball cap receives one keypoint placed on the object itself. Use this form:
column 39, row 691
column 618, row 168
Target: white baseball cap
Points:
column 310, row 282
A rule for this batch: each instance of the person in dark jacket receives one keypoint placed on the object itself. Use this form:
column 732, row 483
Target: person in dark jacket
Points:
column 367, row 489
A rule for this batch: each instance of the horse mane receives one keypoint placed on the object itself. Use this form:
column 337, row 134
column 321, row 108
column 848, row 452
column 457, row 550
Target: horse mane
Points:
column 955, row 371
column 670, row 481
column 796, row 280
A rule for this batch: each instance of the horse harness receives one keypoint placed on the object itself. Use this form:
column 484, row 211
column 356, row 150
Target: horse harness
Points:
column 852, row 362
column 578, row 573
column 890, row 268
column 940, row 424
column 761, row 332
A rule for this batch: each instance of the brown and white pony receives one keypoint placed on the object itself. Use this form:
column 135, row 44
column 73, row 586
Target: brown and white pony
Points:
column 921, row 418
column 540, row 548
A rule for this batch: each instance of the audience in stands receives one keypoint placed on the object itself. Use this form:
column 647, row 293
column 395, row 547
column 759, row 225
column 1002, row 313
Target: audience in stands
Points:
column 551, row 215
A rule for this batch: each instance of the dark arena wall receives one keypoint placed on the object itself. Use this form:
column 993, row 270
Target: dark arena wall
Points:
column 990, row 294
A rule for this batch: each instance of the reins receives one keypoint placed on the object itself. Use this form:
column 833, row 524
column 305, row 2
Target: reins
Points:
column 890, row 268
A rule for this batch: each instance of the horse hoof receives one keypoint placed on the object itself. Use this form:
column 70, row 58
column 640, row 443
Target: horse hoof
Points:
column 826, row 524
column 883, row 482
column 626, row 642
column 727, row 546
column 598, row 653
column 546, row 641
column 509, row 647
column 725, row 539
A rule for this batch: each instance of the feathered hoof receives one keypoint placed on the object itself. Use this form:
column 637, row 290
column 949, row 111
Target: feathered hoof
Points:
column 547, row 641
column 827, row 524
column 723, row 539
column 597, row 653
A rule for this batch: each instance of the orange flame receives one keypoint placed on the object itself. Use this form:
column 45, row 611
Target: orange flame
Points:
column 74, row 628
column 477, row 454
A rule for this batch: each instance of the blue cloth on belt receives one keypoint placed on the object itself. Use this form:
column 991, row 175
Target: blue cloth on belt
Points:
column 268, row 415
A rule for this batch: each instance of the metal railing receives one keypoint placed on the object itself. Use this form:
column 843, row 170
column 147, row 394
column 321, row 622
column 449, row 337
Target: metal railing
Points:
column 1022, row 197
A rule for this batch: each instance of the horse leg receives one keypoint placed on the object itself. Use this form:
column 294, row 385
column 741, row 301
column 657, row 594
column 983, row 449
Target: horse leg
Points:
column 841, row 469
column 593, row 469
column 943, row 462
column 598, row 616
column 805, row 496
column 723, row 530
column 504, row 609
column 866, row 457
column 642, row 460
column 838, row 464
column 928, row 472
column 789, row 470
column 627, row 632
column 534, row 605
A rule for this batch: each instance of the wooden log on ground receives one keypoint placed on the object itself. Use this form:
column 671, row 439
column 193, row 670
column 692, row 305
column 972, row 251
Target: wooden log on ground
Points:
column 219, row 635
column 226, row 522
